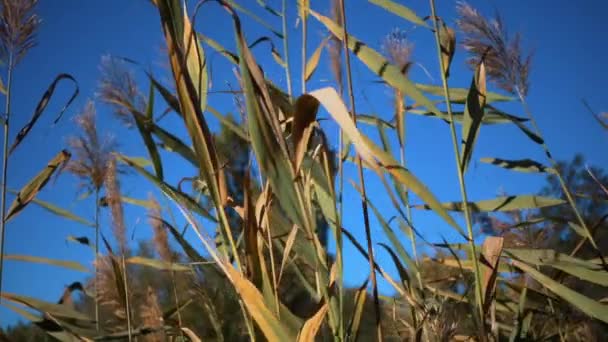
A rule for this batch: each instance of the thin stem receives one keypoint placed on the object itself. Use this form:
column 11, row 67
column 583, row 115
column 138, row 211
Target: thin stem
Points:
column 96, row 256
column 7, row 111
column 368, row 235
column 304, row 37
column 286, row 48
column 461, row 181
column 127, row 302
column 562, row 183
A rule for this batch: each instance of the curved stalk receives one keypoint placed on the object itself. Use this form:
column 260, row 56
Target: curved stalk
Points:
column 461, row 181
column 96, row 256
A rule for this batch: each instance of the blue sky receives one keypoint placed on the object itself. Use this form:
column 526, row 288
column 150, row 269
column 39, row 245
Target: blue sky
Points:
column 566, row 37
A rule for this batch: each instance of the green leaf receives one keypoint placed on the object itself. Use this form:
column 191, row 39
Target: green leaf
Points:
column 31, row 189
column 587, row 305
column 521, row 165
column 53, row 262
column 229, row 124
column 157, row 264
column 504, row 203
column 459, row 95
column 169, row 190
column 533, row 136
column 473, row 115
column 582, row 269
column 379, row 65
column 59, row 211
column 147, row 137
column 401, row 11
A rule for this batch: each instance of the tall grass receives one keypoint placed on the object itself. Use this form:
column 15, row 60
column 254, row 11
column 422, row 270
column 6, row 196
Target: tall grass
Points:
column 258, row 268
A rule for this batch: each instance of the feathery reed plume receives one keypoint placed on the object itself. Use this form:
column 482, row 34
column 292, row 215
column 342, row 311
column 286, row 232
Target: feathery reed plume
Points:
column 335, row 47
column 18, row 26
column 116, row 210
column 109, row 293
column 91, row 156
column 151, row 317
column 398, row 49
column 488, row 40
column 118, row 88
column 161, row 242
column 91, row 152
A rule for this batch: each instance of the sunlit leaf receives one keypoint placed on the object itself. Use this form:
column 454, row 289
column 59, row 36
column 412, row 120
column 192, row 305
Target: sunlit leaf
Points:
column 31, row 189
column 59, row 211
column 73, row 265
column 504, row 203
column 313, row 61
column 156, row 264
column 401, row 11
column 378, row 64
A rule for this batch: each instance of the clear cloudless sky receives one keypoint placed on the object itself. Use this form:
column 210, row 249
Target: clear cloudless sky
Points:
column 568, row 40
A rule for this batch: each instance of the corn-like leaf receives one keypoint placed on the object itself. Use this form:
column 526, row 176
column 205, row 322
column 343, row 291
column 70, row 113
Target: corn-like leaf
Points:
column 459, row 95
column 491, row 250
column 313, row 61
column 268, row 322
column 147, row 137
column 355, row 321
column 303, row 124
column 533, row 136
column 229, row 124
column 83, row 240
column 157, row 264
column 489, row 118
column 504, row 203
column 403, row 274
column 31, row 189
column 291, row 238
column 473, row 115
column 49, row 326
column 57, row 310
column 253, row 16
column 169, row 190
column 401, row 11
column 73, row 265
column 521, row 165
column 312, row 325
column 447, row 44
column 392, row 237
column 378, row 64
column 582, row 269
column 58, row 211
column 585, row 304
column 368, row 151
column 42, row 104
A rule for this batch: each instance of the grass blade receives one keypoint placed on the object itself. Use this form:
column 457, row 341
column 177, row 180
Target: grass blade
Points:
column 41, row 260
column 42, row 104
column 504, row 203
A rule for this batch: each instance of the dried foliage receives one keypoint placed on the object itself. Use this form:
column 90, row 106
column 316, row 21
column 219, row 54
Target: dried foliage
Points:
column 152, row 317
column 114, row 200
column 18, row 26
column 91, row 152
column 161, row 241
column 118, row 88
column 486, row 39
